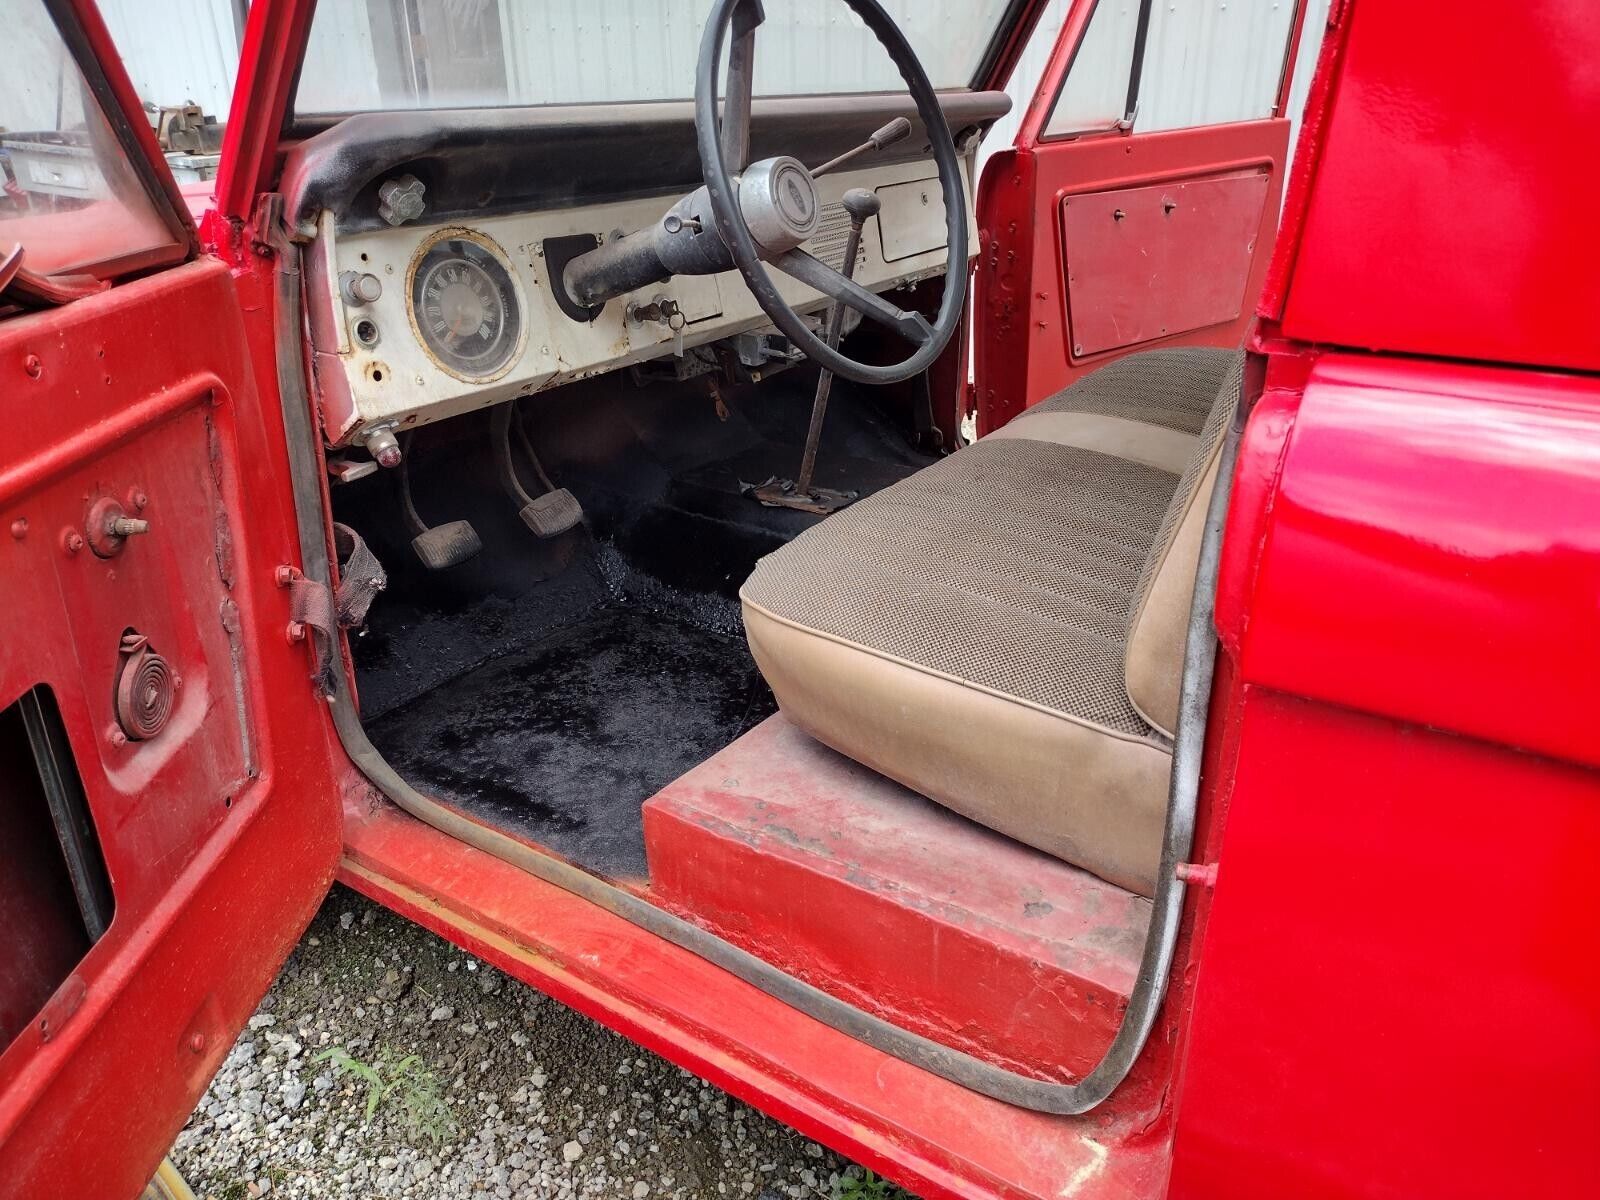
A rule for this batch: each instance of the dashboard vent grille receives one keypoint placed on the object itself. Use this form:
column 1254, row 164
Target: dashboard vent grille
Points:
column 832, row 233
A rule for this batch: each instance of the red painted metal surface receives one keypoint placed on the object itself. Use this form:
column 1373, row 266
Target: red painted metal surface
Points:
column 867, row 890
column 1423, row 507
column 1145, row 263
column 936, row 1137
column 218, row 840
column 275, row 35
column 1452, row 209
column 1412, row 559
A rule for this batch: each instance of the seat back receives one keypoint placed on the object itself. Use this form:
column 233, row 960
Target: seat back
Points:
column 1158, row 622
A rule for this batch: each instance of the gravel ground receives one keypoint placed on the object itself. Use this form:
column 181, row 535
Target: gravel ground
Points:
column 479, row 1087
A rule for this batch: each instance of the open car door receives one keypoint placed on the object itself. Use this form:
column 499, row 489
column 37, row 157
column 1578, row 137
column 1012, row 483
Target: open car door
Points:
column 168, row 801
column 1139, row 204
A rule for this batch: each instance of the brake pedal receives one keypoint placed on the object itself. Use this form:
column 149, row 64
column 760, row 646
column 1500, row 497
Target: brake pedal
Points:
column 553, row 512
column 437, row 547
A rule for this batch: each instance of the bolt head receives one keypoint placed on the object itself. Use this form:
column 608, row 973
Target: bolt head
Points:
column 72, row 541
column 116, row 737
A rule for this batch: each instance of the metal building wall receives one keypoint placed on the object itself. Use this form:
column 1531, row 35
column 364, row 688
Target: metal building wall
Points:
column 178, row 50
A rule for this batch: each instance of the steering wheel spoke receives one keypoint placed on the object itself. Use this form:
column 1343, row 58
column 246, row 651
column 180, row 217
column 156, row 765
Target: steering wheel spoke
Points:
column 797, row 264
column 735, row 133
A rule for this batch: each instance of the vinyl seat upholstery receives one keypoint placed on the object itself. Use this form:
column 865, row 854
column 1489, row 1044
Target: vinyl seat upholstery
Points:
column 1003, row 631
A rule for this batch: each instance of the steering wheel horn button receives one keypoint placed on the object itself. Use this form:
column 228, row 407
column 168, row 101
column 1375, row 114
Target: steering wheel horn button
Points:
column 779, row 203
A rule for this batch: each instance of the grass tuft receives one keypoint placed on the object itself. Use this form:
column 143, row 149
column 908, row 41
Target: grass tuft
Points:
column 406, row 1082
column 867, row 1186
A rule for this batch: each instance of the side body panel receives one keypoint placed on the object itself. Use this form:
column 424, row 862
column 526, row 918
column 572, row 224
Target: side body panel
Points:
column 1463, row 176
column 219, row 833
column 1398, row 994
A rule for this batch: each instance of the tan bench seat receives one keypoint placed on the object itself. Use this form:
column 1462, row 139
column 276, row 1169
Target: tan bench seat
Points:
column 1003, row 631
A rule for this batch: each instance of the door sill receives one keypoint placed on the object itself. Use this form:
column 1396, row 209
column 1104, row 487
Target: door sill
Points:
column 933, row 1136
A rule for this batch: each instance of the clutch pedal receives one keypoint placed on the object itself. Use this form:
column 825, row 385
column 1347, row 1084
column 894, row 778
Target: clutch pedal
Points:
column 437, row 547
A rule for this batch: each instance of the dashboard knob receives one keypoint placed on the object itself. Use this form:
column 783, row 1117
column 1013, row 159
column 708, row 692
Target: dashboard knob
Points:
column 383, row 446
column 401, row 199
column 360, row 287
column 861, row 204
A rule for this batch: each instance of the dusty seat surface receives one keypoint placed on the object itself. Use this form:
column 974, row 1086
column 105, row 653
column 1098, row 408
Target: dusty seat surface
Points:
column 967, row 630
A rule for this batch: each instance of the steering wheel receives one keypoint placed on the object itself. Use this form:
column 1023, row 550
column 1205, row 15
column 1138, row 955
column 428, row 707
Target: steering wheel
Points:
column 789, row 190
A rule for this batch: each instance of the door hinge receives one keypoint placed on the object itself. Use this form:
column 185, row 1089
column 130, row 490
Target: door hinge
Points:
column 317, row 613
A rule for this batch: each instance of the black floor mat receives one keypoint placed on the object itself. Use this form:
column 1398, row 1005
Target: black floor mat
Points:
column 562, row 742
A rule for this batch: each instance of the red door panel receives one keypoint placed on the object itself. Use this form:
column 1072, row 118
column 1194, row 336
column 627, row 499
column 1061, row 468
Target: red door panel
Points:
column 1151, row 262
column 1095, row 245
column 219, row 833
column 1059, row 294
column 169, row 817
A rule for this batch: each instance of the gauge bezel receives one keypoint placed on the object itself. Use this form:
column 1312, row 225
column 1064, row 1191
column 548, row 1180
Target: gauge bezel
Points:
column 460, row 233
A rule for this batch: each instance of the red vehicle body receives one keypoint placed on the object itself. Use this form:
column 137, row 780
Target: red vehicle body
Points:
column 1387, row 986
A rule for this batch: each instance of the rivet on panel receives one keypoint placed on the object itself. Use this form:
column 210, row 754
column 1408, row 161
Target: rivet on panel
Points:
column 71, row 541
column 33, row 366
column 19, row 528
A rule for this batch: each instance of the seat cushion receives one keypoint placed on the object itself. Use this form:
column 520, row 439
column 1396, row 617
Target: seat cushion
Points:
column 964, row 632
column 1150, row 407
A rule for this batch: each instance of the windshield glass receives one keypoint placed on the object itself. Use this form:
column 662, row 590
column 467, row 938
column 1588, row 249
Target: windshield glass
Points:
column 385, row 54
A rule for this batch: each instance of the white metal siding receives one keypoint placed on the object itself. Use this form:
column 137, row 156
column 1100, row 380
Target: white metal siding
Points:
column 178, row 50
column 30, row 68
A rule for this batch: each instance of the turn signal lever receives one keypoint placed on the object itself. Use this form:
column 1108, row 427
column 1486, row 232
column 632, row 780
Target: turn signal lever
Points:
column 896, row 130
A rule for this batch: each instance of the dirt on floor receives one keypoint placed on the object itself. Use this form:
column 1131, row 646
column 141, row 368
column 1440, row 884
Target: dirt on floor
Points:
column 387, row 1063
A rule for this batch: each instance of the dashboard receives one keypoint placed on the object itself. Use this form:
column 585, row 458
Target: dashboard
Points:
column 465, row 315
column 452, row 310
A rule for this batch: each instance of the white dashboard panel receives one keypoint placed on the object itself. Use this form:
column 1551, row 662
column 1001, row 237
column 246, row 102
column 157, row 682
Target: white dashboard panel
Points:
column 394, row 380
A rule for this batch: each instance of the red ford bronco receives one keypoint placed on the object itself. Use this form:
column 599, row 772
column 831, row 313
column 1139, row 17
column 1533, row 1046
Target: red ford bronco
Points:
column 1152, row 755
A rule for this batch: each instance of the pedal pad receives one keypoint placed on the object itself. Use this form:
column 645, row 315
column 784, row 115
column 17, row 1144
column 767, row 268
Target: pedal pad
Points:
column 447, row 545
column 553, row 513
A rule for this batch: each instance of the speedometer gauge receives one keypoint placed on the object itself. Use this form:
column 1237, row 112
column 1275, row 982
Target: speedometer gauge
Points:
column 463, row 305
